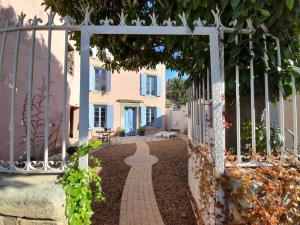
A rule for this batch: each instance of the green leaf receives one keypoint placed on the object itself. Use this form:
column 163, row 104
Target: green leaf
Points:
column 289, row 4
column 265, row 12
column 195, row 4
column 234, row 3
column 296, row 70
column 202, row 3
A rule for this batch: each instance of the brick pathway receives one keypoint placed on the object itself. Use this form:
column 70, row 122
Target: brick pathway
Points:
column 138, row 204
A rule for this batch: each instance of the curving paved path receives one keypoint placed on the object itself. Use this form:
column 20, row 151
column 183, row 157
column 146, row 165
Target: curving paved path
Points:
column 138, row 204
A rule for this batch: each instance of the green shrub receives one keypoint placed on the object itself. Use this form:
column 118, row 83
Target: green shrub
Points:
column 141, row 130
column 261, row 136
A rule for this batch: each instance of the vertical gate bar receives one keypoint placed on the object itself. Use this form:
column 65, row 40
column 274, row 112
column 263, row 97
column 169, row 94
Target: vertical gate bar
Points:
column 203, row 111
column 84, row 93
column 64, row 119
column 195, row 111
column 197, row 115
column 29, row 98
column 253, row 122
column 208, row 116
column 13, row 102
column 192, row 128
column 238, row 108
column 295, row 117
column 189, row 113
column 267, row 103
column 194, row 114
column 208, row 84
column 200, row 113
column 46, row 141
column 3, row 42
column 218, row 100
column 192, row 111
column 281, row 102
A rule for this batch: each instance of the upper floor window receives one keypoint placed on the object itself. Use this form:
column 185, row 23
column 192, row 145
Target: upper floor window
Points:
column 100, row 79
column 99, row 116
column 150, row 85
column 150, row 117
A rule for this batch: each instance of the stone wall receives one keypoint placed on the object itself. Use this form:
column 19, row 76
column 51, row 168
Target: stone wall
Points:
column 31, row 199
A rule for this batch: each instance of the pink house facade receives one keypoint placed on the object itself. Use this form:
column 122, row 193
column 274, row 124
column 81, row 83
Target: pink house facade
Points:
column 127, row 100
column 9, row 10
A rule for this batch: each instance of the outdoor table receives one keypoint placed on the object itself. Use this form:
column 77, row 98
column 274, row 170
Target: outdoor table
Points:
column 104, row 135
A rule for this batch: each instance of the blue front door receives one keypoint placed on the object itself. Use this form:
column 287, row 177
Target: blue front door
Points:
column 130, row 121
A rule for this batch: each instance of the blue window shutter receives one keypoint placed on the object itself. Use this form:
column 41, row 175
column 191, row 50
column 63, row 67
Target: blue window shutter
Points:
column 108, row 81
column 143, row 84
column 158, row 86
column 109, row 116
column 143, row 116
column 91, row 116
column 92, row 78
column 158, row 117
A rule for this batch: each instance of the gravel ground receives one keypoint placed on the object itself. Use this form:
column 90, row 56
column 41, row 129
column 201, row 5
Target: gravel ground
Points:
column 170, row 181
column 114, row 173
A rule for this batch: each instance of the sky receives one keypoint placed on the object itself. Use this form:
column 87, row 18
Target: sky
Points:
column 171, row 74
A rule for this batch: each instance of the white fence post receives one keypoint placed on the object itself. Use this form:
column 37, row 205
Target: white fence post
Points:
column 13, row 103
column 267, row 101
column 29, row 96
column 64, row 118
column 253, row 120
column 238, row 107
column 84, row 93
column 295, row 116
column 218, row 101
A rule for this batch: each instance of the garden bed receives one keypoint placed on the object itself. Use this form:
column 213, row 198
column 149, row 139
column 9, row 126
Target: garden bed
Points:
column 113, row 173
column 170, row 181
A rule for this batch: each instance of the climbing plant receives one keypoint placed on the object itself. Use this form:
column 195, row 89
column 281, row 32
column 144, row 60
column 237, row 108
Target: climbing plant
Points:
column 77, row 183
column 262, row 195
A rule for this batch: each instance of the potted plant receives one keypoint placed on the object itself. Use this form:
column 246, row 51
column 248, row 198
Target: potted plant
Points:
column 141, row 131
column 120, row 132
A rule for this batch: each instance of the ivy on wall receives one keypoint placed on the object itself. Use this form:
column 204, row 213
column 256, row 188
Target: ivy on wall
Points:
column 268, row 195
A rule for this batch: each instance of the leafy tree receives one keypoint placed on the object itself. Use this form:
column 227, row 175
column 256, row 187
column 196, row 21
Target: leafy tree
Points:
column 190, row 54
column 176, row 91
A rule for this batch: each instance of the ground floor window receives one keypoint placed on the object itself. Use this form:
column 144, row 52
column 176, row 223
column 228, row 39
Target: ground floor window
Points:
column 150, row 117
column 99, row 116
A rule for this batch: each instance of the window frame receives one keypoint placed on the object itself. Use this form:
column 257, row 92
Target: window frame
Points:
column 151, row 113
column 99, row 116
column 99, row 81
column 149, row 87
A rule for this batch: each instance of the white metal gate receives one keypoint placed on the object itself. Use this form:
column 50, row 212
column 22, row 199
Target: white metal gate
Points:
column 207, row 101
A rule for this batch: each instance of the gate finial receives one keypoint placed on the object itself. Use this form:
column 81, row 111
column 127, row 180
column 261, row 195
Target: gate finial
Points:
column 153, row 18
column 51, row 16
column 183, row 19
column 21, row 18
column 87, row 16
column 122, row 18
